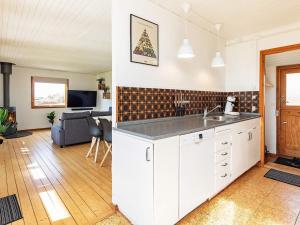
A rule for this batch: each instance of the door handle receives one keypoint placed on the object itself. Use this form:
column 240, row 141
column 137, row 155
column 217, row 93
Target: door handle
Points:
column 147, row 154
column 225, row 175
column 225, row 143
column 225, row 164
column 284, row 122
column 226, row 153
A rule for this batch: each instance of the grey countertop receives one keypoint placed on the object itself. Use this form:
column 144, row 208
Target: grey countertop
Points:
column 169, row 127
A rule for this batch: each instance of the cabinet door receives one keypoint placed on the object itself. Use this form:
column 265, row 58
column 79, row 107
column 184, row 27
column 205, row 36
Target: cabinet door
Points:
column 166, row 181
column 240, row 150
column 254, row 150
column 132, row 170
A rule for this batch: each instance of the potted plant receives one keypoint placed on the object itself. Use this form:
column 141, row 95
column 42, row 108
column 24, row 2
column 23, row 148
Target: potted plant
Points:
column 101, row 83
column 106, row 94
column 51, row 117
column 4, row 125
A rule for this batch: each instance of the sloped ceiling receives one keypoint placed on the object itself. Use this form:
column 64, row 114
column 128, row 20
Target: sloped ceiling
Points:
column 75, row 35
column 240, row 17
column 68, row 35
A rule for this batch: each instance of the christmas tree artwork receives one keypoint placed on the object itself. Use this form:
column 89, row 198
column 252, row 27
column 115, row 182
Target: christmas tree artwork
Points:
column 144, row 47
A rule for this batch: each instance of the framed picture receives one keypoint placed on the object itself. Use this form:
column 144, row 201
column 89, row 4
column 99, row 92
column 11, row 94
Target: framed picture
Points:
column 144, row 41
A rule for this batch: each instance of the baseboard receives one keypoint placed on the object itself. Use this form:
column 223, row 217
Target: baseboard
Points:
column 272, row 154
column 37, row 129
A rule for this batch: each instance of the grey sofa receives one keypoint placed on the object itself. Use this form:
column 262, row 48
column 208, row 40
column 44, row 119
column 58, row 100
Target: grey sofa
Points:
column 74, row 128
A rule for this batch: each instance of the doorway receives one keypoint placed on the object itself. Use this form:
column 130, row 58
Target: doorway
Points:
column 262, row 86
column 288, row 110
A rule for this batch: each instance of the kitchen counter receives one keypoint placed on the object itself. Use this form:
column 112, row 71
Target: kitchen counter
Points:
column 168, row 127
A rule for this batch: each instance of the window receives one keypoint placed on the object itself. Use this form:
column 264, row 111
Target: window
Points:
column 292, row 89
column 49, row 92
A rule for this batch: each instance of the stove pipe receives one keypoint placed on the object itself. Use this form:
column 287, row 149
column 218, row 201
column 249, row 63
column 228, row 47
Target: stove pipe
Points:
column 6, row 70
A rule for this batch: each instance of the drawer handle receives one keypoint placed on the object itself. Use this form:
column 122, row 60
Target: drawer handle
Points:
column 225, row 164
column 225, row 175
column 225, row 143
column 225, row 153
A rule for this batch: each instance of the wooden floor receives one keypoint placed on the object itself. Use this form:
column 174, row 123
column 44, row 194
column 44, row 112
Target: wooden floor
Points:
column 53, row 185
column 61, row 186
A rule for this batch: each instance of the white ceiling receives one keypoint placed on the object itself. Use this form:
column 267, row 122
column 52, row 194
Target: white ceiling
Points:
column 75, row 35
column 283, row 59
column 240, row 17
column 68, row 35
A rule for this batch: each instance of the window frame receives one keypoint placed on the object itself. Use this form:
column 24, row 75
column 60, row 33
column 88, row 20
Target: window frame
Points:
column 52, row 80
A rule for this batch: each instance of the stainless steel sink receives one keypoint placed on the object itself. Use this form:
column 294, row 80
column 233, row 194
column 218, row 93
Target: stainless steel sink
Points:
column 216, row 118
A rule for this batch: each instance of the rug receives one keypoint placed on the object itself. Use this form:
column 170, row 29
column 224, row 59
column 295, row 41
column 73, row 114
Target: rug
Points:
column 283, row 177
column 19, row 134
column 294, row 162
column 9, row 210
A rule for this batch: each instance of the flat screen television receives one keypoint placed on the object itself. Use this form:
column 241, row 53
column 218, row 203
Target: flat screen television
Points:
column 82, row 99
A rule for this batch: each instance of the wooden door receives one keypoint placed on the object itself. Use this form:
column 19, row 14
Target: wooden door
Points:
column 288, row 110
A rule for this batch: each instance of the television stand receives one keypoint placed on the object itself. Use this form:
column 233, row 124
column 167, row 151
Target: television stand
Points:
column 81, row 109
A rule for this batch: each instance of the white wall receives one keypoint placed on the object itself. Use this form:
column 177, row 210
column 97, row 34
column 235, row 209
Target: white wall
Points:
column 270, row 113
column 20, row 89
column 242, row 59
column 192, row 74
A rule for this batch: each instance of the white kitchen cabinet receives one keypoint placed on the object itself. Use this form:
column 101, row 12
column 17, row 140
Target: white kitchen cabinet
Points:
column 157, row 182
column 245, row 146
column 133, row 193
column 240, row 149
column 145, row 179
column 196, row 170
column 254, row 148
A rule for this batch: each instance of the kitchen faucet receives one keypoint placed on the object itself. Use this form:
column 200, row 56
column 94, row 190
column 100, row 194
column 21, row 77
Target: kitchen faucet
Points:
column 207, row 112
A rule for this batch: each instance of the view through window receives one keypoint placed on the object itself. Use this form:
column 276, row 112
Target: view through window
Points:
column 49, row 92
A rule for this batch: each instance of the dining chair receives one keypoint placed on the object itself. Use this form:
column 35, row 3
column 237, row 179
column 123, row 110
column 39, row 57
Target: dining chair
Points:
column 107, row 137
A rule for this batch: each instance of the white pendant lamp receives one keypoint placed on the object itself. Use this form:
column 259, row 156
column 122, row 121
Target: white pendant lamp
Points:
column 185, row 51
column 218, row 60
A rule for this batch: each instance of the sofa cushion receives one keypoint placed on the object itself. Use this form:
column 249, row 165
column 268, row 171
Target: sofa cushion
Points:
column 72, row 116
column 100, row 113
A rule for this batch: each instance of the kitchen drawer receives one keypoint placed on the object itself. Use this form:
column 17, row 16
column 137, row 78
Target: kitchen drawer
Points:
column 222, row 180
column 223, row 129
column 222, row 142
column 222, row 166
column 222, row 155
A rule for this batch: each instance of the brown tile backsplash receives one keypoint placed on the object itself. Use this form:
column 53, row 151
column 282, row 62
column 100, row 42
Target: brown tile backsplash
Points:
column 150, row 103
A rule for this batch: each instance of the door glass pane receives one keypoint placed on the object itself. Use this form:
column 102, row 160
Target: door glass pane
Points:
column 292, row 89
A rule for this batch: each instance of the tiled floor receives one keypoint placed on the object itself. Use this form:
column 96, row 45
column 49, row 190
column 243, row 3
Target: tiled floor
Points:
column 251, row 200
